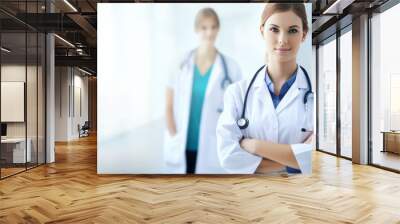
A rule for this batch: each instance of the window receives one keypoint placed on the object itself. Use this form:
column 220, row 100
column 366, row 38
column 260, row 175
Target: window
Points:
column 327, row 97
column 346, row 94
column 385, row 89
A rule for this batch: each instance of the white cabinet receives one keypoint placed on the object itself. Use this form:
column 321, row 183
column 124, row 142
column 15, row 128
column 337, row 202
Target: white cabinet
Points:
column 18, row 149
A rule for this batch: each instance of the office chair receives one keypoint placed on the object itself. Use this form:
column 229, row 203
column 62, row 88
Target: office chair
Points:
column 84, row 130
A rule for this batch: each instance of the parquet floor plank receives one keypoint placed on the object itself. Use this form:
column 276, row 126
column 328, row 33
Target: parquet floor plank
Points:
column 70, row 191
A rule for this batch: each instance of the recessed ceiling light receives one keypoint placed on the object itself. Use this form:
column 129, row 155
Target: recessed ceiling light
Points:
column 338, row 6
column 84, row 71
column 70, row 5
column 5, row 50
column 64, row 40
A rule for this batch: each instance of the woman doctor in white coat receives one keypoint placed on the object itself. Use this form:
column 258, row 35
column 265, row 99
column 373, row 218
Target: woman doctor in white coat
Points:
column 195, row 101
column 267, row 123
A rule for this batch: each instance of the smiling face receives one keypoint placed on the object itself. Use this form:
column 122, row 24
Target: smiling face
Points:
column 283, row 34
column 207, row 30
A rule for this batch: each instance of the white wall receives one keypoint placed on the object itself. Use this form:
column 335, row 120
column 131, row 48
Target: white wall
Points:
column 80, row 83
column 61, row 103
column 12, row 73
column 67, row 84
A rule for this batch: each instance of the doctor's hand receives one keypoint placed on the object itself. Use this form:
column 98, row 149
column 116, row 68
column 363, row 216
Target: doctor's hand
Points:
column 250, row 145
column 172, row 133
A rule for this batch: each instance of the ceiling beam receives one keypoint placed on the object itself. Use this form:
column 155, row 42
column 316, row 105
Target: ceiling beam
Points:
column 84, row 24
column 338, row 6
column 84, row 61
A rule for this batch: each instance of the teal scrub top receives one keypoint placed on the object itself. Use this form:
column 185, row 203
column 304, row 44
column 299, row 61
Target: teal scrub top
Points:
column 199, row 87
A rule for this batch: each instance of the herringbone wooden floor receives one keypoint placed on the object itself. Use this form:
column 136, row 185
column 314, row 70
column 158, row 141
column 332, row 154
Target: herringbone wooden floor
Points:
column 70, row 191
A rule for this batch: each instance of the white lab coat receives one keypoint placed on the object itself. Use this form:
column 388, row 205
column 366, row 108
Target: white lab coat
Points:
column 281, row 125
column 175, row 146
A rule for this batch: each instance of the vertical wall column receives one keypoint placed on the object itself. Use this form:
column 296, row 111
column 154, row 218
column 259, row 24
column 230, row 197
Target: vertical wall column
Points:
column 50, row 92
column 92, row 99
column 360, row 90
column 50, row 99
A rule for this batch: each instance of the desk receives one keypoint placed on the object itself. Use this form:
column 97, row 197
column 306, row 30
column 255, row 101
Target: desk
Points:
column 15, row 148
column 391, row 141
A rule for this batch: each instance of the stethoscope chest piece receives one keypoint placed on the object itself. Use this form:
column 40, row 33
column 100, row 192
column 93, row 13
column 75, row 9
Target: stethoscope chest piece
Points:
column 242, row 123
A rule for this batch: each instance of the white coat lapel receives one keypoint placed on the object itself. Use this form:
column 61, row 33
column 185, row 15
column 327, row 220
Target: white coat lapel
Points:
column 291, row 95
column 261, row 92
column 188, row 85
column 293, row 91
column 216, row 74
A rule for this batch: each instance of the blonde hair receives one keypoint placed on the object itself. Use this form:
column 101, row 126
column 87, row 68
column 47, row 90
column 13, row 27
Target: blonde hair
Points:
column 206, row 13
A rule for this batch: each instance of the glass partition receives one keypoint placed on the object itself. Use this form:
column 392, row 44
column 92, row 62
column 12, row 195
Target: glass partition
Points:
column 13, row 105
column 327, row 96
column 346, row 94
column 22, row 88
column 385, row 89
column 41, row 87
column 31, row 100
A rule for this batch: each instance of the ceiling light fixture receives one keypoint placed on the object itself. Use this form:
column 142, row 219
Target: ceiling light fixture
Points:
column 5, row 50
column 70, row 5
column 64, row 40
column 84, row 71
column 338, row 6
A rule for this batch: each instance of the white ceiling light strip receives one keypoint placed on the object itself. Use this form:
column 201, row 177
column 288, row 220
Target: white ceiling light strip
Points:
column 64, row 40
column 84, row 71
column 5, row 50
column 70, row 5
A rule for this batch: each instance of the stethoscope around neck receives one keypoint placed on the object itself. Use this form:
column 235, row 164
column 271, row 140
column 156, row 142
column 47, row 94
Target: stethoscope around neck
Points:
column 226, row 80
column 243, row 122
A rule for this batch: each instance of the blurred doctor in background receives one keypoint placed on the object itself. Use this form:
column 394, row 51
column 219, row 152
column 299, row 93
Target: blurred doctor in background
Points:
column 194, row 100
